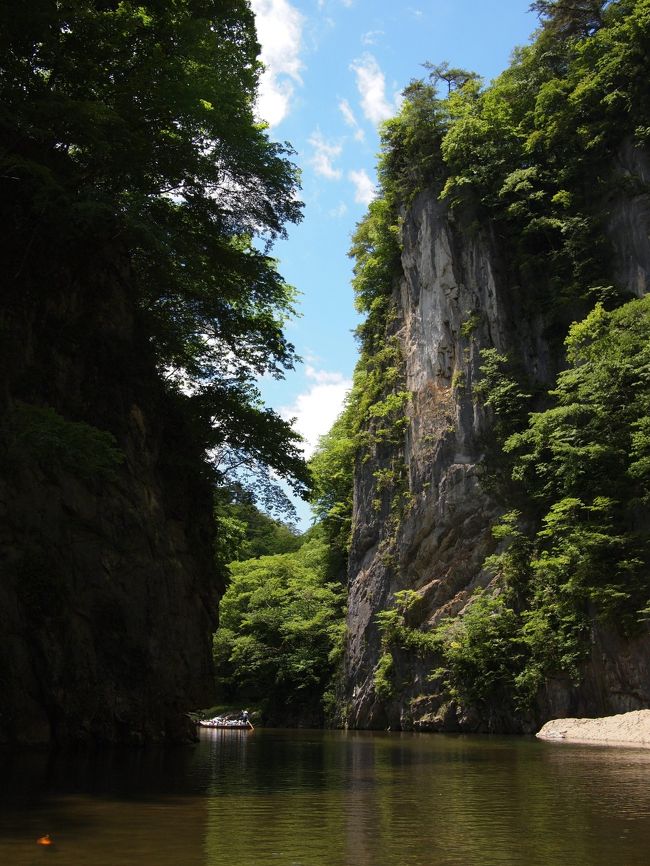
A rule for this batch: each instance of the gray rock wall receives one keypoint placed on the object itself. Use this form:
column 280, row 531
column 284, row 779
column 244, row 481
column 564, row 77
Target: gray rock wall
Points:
column 453, row 299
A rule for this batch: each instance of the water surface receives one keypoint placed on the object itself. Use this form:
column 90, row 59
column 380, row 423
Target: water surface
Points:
column 314, row 798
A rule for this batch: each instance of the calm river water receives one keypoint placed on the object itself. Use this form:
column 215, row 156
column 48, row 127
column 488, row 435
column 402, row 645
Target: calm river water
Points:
column 319, row 798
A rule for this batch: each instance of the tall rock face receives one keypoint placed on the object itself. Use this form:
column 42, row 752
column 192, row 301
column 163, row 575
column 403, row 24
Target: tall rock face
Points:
column 453, row 299
column 108, row 594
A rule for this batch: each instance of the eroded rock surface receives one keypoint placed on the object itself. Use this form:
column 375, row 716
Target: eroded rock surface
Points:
column 455, row 298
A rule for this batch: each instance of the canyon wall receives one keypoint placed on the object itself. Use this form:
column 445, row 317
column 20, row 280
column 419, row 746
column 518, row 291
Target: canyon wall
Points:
column 454, row 298
column 108, row 594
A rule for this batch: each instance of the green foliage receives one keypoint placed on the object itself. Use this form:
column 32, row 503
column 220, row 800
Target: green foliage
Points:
column 505, row 645
column 578, row 461
column 382, row 680
column 245, row 532
column 332, row 467
column 46, row 437
column 374, row 415
column 481, row 651
column 128, row 139
column 470, row 324
column 580, row 546
column 281, row 629
column 410, row 155
column 397, row 633
column 458, row 380
column 375, row 250
column 502, row 387
column 570, row 18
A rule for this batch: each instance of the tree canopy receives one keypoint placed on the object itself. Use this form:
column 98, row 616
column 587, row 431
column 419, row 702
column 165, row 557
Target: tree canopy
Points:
column 128, row 134
column 246, row 532
column 281, row 629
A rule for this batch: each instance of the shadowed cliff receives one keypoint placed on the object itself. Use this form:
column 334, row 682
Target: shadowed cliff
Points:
column 136, row 316
column 109, row 590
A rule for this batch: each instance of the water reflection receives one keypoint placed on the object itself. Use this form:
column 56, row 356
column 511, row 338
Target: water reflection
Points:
column 331, row 799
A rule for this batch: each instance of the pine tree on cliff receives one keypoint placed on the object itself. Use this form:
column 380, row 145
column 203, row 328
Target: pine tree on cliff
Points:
column 570, row 18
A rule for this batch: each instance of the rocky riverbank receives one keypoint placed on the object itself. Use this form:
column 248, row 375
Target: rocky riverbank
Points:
column 626, row 729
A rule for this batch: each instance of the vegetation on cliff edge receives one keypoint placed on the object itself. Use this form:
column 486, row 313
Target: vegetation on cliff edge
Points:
column 539, row 156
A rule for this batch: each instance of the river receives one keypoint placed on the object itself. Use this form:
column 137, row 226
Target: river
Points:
column 323, row 798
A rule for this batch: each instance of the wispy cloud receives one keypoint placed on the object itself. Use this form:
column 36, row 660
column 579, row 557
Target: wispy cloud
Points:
column 348, row 3
column 279, row 30
column 339, row 211
column 371, row 84
column 325, row 152
column 364, row 189
column 349, row 117
column 371, row 37
column 317, row 408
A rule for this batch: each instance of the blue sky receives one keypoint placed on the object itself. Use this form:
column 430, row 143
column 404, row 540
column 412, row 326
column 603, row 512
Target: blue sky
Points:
column 334, row 71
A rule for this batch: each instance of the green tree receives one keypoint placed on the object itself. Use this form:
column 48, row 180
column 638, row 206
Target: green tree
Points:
column 128, row 140
column 570, row 17
column 580, row 547
column 246, row 532
column 281, row 627
column 580, row 460
column 332, row 467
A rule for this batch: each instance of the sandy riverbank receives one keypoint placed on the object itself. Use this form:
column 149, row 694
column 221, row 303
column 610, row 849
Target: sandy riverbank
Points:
column 627, row 729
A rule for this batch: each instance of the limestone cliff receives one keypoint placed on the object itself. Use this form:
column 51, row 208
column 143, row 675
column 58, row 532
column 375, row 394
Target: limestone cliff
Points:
column 108, row 593
column 454, row 297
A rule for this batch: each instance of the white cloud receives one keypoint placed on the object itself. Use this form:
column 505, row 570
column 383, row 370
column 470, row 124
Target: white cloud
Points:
column 349, row 117
column 371, row 37
column 339, row 211
column 348, row 3
column 279, row 30
column 364, row 189
column 323, row 377
column 371, row 84
column 316, row 409
column 325, row 152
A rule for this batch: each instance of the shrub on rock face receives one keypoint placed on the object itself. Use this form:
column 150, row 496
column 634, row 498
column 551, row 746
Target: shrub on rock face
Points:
column 580, row 546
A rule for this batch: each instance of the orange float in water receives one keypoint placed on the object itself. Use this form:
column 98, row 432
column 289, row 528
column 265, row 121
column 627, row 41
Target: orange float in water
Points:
column 44, row 840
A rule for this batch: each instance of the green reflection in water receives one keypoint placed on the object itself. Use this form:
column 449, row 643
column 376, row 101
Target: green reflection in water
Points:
column 331, row 799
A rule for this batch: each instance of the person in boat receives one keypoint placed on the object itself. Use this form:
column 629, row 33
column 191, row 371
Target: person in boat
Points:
column 244, row 716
